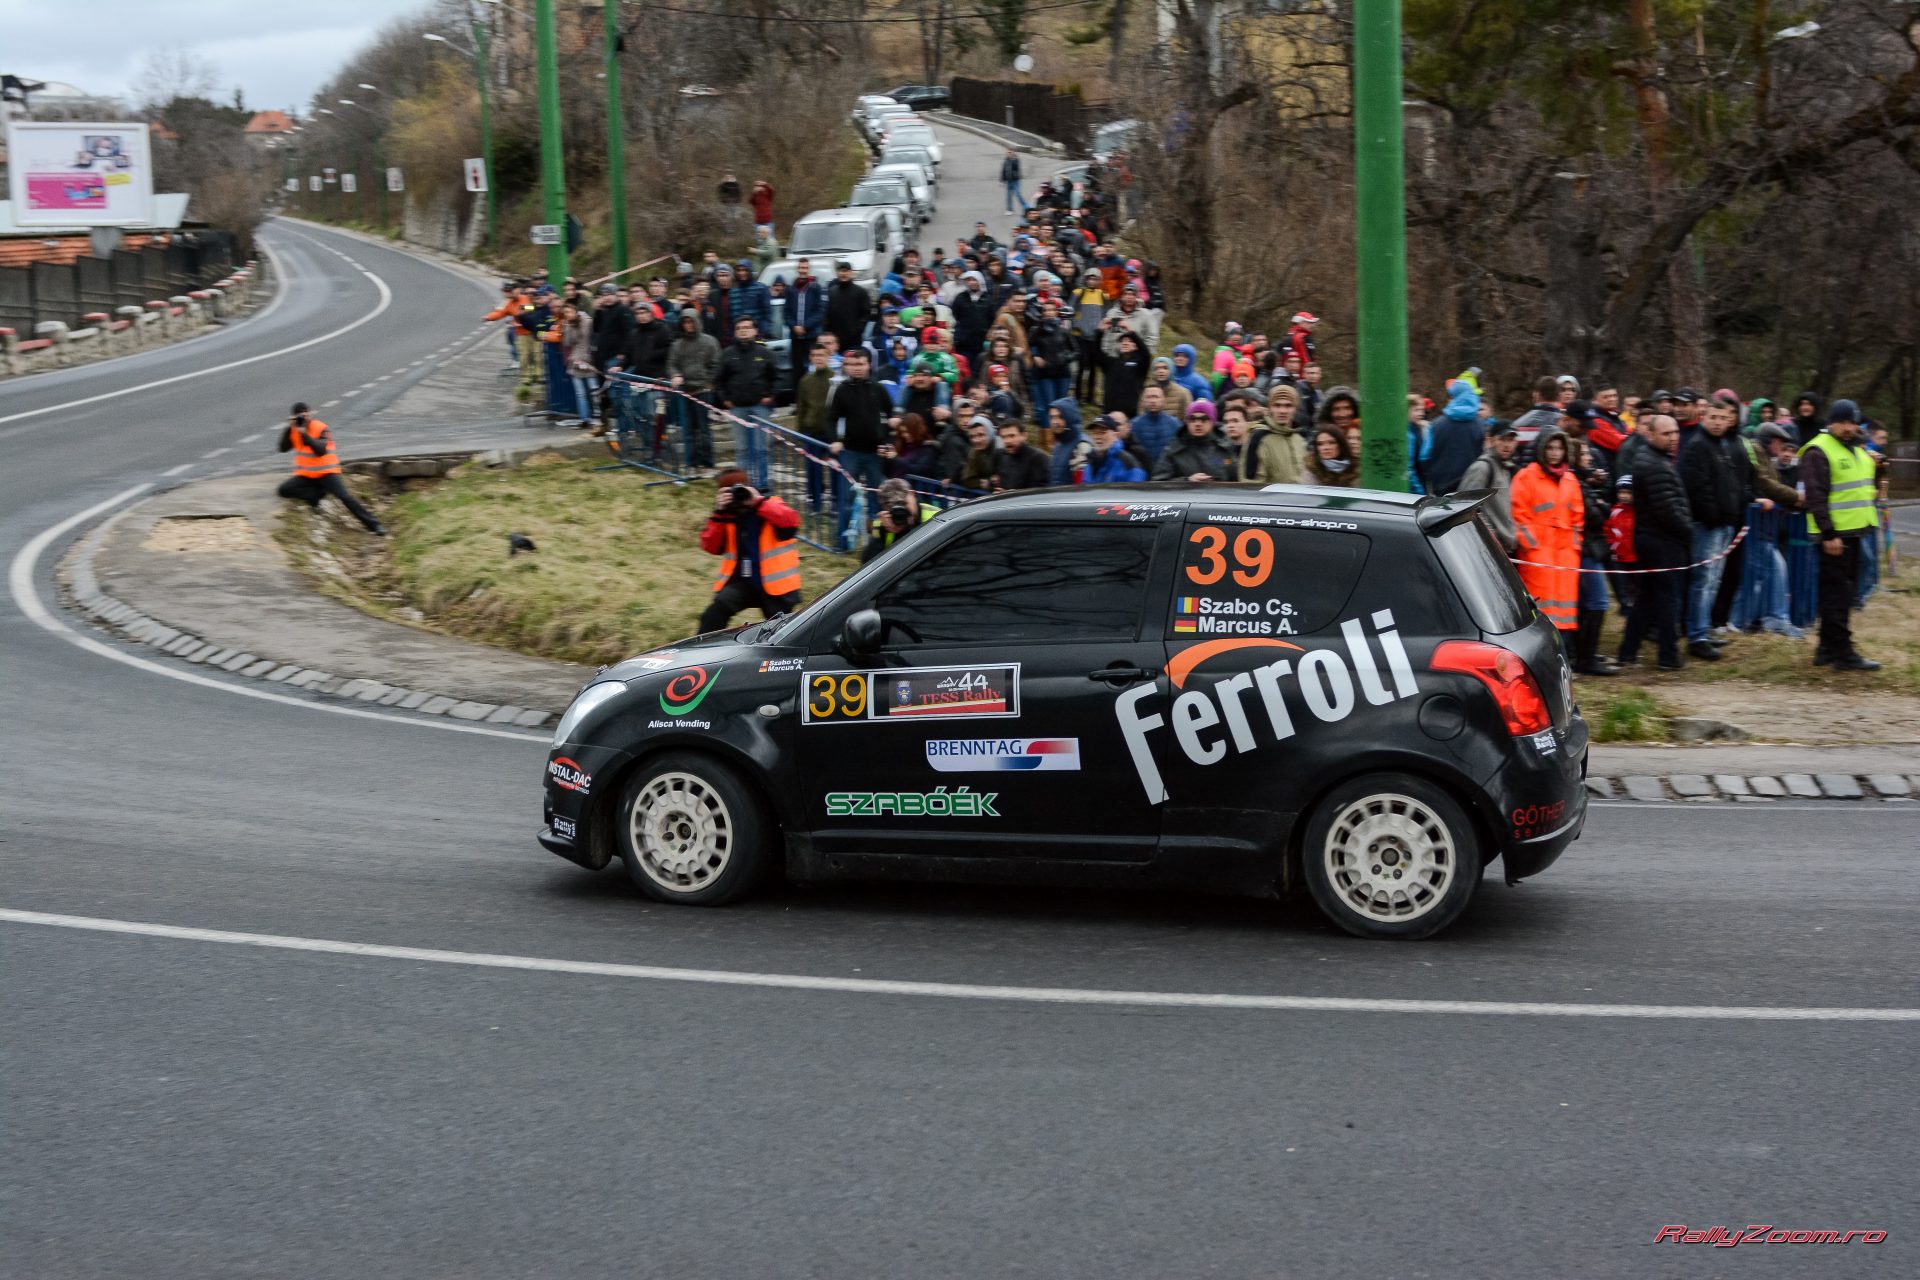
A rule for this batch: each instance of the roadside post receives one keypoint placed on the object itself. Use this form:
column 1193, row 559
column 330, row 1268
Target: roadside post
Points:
column 1381, row 231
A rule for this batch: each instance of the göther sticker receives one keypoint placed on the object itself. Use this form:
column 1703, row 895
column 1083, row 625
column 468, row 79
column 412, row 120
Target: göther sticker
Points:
column 915, row 693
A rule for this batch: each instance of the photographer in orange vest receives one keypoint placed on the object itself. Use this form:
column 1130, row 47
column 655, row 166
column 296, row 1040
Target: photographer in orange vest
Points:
column 752, row 533
column 316, row 467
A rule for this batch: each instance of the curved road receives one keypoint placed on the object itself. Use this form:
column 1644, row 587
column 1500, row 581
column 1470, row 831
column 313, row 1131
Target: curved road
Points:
column 201, row 1105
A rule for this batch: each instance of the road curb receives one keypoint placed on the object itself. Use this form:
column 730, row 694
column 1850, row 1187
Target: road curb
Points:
column 997, row 133
column 105, row 611
column 1649, row 789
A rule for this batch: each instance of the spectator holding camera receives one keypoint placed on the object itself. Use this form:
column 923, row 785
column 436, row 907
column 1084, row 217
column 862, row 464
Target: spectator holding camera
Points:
column 753, row 534
column 899, row 516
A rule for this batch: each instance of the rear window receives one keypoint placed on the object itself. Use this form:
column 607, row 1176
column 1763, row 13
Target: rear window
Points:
column 1484, row 577
column 1245, row 573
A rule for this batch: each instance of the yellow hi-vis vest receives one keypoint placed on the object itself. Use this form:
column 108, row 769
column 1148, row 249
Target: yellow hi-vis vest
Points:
column 1850, row 502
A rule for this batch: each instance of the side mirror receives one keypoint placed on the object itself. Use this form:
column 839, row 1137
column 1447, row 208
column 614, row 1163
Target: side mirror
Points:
column 862, row 632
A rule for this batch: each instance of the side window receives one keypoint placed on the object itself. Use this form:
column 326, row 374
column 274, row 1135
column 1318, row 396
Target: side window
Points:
column 1042, row 582
column 1248, row 575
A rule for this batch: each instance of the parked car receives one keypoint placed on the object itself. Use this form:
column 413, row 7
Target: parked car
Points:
column 1109, row 138
column 921, row 96
column 876, row 116
column 911, row 153
column 894, row 191
column 866, row 239
column 915, row 132
column 917, row 177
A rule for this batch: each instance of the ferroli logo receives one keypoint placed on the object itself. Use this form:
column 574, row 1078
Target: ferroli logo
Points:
column 1211, row 723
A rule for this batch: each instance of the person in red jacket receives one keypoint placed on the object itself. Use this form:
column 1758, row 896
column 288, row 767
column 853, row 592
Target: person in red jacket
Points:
column 752, row 533
column 761, row 198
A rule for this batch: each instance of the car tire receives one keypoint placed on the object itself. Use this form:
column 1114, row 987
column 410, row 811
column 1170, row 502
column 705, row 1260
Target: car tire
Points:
column 1389, row 855
column 692, row 831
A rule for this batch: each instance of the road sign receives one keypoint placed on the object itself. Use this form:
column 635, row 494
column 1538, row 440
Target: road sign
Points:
column 313, row 183
column 396, row 181
column 328, row 174
column 349, row 183
column 293, row 184
column 476, row 171
column 544, row 233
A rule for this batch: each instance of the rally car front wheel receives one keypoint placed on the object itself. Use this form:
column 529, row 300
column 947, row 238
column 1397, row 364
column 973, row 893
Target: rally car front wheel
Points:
column 1389, row 855
column 692, row 831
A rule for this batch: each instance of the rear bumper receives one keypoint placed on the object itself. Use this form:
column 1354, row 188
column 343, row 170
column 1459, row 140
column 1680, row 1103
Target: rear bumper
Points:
column 1540, row 801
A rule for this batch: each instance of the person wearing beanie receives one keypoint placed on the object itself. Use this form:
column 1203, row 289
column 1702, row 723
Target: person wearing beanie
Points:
column 1807, row 418
column 1838, row 477
column 1197, row 456
column 316, row 468
column 1274, row 451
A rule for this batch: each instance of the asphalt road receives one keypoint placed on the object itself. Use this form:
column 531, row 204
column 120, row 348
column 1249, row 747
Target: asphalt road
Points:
column 208, row 1106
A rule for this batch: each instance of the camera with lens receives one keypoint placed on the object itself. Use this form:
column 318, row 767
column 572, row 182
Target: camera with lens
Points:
column 739, row 499
column 900, row 515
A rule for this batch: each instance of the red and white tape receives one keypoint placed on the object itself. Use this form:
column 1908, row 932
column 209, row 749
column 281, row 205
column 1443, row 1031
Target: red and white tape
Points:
column 1679, row 568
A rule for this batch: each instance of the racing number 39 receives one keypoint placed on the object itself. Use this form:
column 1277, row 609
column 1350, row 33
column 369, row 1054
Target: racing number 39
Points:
column 1252, row 556
column 837, row 697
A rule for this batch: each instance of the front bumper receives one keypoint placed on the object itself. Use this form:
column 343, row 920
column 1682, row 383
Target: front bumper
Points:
column 579, row 780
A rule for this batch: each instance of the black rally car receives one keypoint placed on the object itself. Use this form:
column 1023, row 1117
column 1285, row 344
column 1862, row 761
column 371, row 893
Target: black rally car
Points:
column 1222, row 687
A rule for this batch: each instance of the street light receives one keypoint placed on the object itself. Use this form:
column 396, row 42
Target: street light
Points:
column 478, row 56
column 379, row 160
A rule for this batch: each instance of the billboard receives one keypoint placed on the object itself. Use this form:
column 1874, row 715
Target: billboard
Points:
column 63, row 174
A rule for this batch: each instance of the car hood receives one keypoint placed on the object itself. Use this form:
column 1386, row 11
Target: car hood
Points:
column 700, row 651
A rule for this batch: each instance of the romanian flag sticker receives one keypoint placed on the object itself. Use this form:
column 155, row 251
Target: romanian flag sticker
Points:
column 1187, row 604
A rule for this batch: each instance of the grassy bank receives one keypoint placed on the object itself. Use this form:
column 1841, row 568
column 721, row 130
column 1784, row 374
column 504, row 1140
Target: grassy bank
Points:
column 618, row 568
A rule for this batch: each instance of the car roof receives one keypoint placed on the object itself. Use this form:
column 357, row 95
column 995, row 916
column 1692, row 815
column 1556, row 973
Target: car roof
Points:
column 1181, row 493
column 857, row 213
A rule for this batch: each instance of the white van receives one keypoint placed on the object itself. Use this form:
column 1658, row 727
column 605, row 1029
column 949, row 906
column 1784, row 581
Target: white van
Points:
column 867, row 239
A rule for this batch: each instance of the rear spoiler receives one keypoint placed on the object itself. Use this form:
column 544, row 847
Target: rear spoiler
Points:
column 1437, row 515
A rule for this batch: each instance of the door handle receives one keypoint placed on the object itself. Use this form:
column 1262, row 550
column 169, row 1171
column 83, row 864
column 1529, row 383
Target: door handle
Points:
column 1123, row 675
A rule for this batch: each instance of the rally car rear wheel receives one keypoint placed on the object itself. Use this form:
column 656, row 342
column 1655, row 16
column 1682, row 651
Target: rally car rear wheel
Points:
column 691, row 831
column 1391, row 856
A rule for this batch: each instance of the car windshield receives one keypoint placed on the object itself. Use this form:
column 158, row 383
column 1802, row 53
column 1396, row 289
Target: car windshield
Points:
column 909, row 155
column 830, row 237
column 881, row 193
column 912, row 177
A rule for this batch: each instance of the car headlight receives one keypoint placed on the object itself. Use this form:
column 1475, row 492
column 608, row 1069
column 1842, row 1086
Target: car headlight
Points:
column 583, row 705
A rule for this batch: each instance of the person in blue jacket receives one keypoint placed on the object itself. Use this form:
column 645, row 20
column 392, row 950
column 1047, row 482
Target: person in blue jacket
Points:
column 1069, row 441
column 1454, row 439
column 1184, row 372
column 1110, row 461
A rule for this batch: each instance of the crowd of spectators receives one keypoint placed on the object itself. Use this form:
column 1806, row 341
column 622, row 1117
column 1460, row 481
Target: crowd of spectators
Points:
column 1036, row 361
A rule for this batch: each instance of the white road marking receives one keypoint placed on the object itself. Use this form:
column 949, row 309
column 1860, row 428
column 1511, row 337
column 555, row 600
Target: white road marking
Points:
column 174, row 471
column 250, row 439
column 20, row 582
column 329, row 404
column 214, row 453
column 967, row 991
column 1730, row 806
column 350, row 394
column 386, row 300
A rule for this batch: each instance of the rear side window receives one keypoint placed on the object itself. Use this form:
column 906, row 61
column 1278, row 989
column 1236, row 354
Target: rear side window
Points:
column 1484, row 577
column 1010, row 582
column 1248, row 574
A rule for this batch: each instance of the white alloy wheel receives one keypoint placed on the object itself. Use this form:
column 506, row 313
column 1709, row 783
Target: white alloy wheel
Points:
column 1390, row 858
column 681, row 831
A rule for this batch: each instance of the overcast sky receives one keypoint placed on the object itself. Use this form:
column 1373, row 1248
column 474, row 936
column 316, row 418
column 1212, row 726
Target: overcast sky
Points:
column 277, row 53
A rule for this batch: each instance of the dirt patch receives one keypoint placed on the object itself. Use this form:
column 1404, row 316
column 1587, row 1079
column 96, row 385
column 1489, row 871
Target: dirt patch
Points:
column 1816, row 716
column 202, row 533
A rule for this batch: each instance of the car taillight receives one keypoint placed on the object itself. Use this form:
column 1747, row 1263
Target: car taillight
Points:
column 1505, row 676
